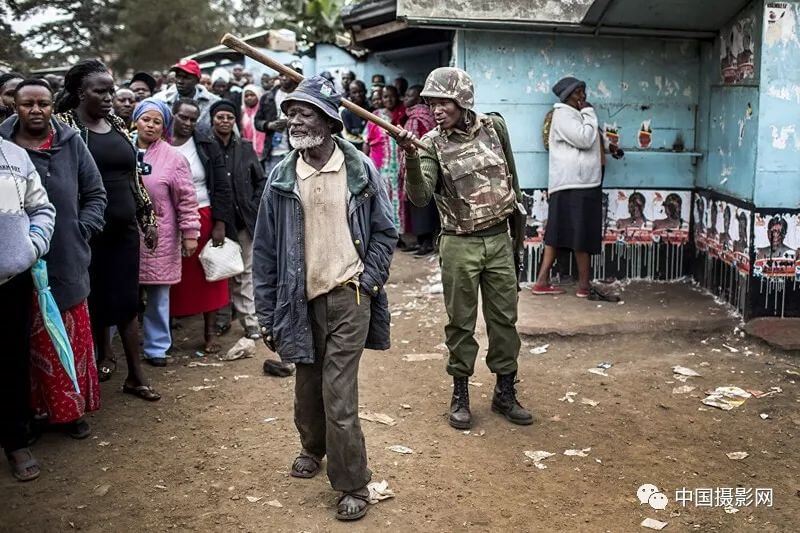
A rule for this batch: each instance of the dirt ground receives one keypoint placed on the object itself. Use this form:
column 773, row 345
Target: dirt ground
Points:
column 190, row 461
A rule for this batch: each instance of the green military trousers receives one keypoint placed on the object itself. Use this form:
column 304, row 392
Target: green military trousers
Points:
column 469, row 263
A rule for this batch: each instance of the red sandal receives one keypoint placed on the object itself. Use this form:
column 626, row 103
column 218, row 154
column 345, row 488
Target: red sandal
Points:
column 546, row 290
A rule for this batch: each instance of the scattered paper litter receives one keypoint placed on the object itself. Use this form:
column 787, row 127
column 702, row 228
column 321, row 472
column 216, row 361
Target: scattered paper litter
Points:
column 731, row 348
column 537, row 457
column 253, row 499
column 379, row 490
column 652, row 523
column 760, row 394
column 683, row 371
column 241, row 376
column 737, row 456
column 405, row 406
column 587, row 401
column 380, row 418
column 102, row 490
column 243, row 349
column 568, row 397
column 270, row 419
column 435, row 288
column 683, row 389
column 274, row 503
column 161, row 487
column 605, row 365
column 578, row 453
column 731, row 510
column 103, row 443
column 423, row 356
column 195, row 364
column 202, row 387
column 726, row 398
column 539, row 350
column 400, row 449
column 598, row 371
column 764, row 416
column 476, row 383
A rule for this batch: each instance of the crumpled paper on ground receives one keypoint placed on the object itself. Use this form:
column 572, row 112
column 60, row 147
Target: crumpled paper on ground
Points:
column 726, row 398
column 377, row 417
column 243, row 349
column 379, row 490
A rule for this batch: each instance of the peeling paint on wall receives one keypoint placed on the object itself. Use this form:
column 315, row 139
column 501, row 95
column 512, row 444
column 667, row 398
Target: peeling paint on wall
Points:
column 780, row 140
column 781, row 24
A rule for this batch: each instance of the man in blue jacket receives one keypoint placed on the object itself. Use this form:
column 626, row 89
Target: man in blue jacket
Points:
column 322, row 249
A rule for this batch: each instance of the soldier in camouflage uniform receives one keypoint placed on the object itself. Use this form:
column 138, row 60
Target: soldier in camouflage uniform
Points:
column 468, row 168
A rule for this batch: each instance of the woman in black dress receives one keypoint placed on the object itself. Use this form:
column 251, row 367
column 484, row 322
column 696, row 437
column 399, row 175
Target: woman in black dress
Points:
column 86, row 105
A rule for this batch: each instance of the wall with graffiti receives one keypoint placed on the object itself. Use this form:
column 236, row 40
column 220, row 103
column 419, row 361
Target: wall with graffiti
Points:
column 645, row 233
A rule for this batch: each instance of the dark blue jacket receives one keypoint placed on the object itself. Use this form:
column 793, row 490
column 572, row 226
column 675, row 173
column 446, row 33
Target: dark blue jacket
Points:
column 279, row 272
column 75, row 188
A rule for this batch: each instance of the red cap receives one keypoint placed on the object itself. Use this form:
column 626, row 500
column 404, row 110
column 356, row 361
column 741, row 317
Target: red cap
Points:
column 189, row 66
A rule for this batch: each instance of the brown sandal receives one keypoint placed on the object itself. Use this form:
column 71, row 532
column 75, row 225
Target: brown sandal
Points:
column 145, row 392
column 361, row 509
column 300, row 467
column 24, row 469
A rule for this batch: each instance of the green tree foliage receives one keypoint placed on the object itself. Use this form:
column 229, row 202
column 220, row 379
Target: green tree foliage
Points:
column 12, row 53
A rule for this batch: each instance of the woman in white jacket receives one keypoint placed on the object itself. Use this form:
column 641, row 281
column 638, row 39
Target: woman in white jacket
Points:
column 575, row 217
column 26, row 225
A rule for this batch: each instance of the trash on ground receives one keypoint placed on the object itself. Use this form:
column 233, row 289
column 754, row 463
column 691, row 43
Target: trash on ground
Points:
column 731, row 510
column 380, row 418
column 537, row 457
column 726, row 398
column 405, row 406
column 598, row 371
column 652, row 523
column 683, row 389
column 240, row 376
column 737, row 456
column 764, row 416
column 253, row 499
column 160, row 487
column 539, row 350
column 568, row 397
column 605, row 365
column 423, row 356
column 760, row 394
column 275, row 503
column 103, row 443
column 397, row 448
column 731, row 348
column 379, row 490
column 683, row 371
column 202, row 387
column 476, row 383
column 578, row 453
column 434, row 288
column 195, row 364
column 101, row 490
column 270, row 419
column 243, row 349
column 587, row 401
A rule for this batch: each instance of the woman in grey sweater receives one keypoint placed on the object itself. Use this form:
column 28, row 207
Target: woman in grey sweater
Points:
column 26, row 226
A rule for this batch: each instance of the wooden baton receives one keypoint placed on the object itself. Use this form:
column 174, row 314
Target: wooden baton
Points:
column 234, row 43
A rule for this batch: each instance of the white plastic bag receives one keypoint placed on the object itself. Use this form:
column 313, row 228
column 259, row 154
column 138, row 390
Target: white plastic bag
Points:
column 221, row 262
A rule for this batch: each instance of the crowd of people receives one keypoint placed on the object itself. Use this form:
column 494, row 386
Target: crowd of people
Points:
column 142, row 174
column 119, row 185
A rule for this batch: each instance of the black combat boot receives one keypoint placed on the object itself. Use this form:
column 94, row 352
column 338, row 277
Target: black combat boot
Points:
column 460, row 417
column 505, row 401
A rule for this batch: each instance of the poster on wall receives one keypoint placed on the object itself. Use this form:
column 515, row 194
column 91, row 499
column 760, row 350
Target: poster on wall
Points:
column 737, row 50
column 535, row 202
column 776, row 241
column 641, row 217
column 723, row 231
column 781, row 23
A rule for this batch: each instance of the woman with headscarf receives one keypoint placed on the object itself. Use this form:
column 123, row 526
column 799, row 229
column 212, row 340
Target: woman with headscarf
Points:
column 74, row 185
column 194, row 294
column 168, row 178
column 251, row 96
column 85, row 104
column 388, row 157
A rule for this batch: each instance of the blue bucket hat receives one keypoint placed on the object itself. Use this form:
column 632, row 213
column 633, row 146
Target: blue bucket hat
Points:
column 320, row 93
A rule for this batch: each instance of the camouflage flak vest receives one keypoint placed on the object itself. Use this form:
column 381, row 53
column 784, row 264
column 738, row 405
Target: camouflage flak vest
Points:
column 477, row 191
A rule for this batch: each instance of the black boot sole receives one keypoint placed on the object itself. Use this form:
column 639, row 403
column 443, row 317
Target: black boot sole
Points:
column 517, row 421
column 459, row 425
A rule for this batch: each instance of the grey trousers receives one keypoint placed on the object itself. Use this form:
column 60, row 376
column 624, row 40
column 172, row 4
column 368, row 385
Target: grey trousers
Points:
column 326, row 392
column 241, row 289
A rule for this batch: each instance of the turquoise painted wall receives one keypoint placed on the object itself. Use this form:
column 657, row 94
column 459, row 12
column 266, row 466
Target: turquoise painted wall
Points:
column 628, row 80
column 728, row 116
column 777, row 181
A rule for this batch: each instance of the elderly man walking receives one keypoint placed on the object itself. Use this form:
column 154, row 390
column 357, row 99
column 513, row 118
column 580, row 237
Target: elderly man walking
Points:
column 322, row 249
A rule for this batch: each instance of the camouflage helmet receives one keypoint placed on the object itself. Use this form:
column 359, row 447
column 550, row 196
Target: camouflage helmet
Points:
column 451, row 83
